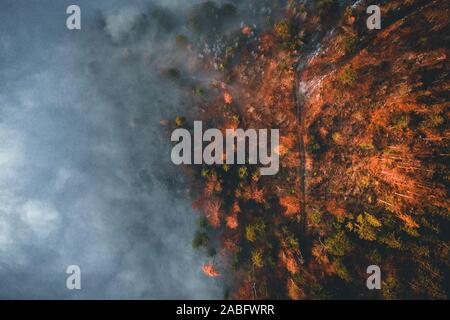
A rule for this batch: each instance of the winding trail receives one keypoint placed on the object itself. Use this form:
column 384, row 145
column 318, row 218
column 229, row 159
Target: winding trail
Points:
column 301, row 170
column 364, row 41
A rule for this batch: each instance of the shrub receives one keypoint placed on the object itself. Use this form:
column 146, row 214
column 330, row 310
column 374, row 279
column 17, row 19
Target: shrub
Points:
column 200, row 240
column 211, row 252
column 250, row 233
column 366, row 146
column 179, row 121
column 341, row 270
column 350, row 42
column 400, row 121
column 287, row 34
column 433, row 121
column 315, row 144
column 173, row 73
column 338, row 244
column 243, row 172
column 202, row 223
column 315, row 217
column 347, row 76
column 254, row 230
column 198, row 90
column 257, row 259
column 367, row 226
column 337, row 138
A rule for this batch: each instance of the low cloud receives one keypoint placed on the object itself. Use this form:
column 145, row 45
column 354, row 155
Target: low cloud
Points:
column 85, row 172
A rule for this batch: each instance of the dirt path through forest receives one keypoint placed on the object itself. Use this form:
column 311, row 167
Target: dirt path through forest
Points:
column 301, row 170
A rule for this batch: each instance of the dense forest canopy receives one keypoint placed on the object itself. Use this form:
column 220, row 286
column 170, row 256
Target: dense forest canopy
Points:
column 363, row 120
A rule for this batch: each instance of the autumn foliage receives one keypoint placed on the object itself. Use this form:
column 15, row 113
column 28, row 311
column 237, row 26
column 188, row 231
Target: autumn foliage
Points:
column 210, row 270
column 363, row 154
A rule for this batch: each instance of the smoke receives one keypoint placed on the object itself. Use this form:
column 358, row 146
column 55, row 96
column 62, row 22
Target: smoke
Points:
column 85, row 171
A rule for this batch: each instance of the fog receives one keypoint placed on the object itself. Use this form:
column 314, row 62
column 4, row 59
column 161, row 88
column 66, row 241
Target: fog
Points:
column 85, row 171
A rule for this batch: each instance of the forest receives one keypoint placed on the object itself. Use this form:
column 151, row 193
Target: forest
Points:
column 364, row 153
